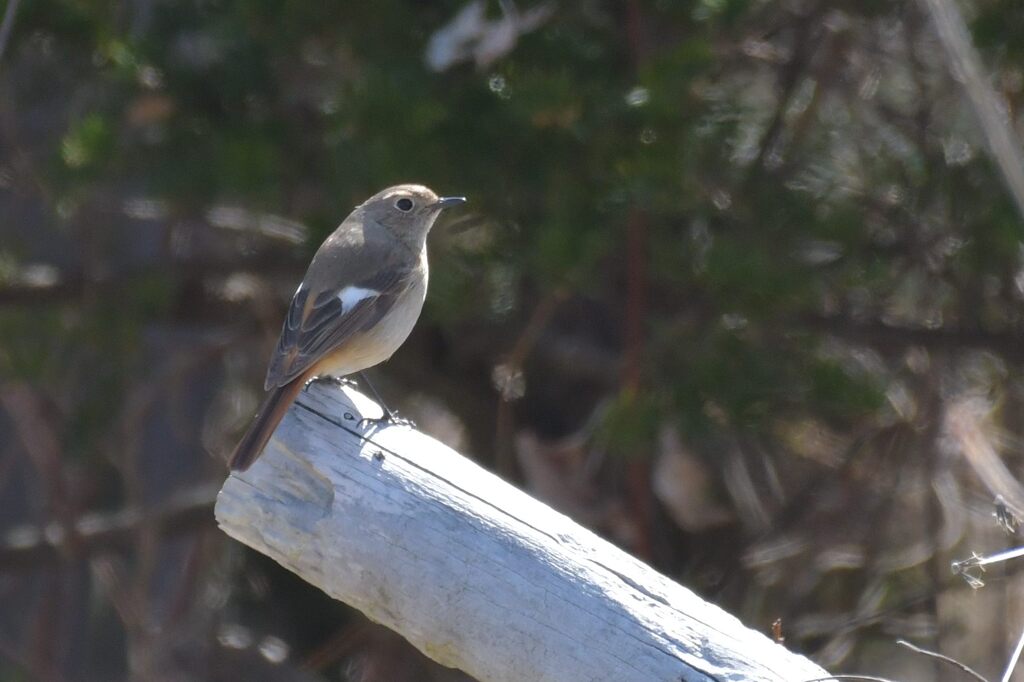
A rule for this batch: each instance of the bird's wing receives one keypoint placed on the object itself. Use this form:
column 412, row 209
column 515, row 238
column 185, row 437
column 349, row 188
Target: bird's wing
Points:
column 320, row 320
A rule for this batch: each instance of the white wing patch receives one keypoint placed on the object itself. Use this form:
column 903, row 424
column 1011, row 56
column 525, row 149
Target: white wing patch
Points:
column 350, row 296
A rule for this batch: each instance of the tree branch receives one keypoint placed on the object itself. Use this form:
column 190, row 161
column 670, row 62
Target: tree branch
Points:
column 26, row 547
column 474, row 573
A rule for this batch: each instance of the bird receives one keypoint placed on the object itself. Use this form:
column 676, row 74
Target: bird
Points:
column 355, row 306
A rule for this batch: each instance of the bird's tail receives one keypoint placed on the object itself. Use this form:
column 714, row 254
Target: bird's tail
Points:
column 273, row 409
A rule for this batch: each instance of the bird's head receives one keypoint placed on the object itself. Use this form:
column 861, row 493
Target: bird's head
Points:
column 408, row 211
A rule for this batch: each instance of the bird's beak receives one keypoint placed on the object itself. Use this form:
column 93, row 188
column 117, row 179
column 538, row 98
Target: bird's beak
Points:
column 448, row 202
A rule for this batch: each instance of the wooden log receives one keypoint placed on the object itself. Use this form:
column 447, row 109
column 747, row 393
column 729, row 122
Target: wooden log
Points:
column 473, row 572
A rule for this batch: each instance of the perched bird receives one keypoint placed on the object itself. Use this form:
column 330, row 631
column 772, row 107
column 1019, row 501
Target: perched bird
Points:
column 359, row 300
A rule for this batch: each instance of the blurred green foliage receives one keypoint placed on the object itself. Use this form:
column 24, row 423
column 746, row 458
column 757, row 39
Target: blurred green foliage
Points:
column 792, row 198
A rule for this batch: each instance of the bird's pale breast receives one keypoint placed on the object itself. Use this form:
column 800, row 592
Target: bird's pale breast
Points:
column 379, row 343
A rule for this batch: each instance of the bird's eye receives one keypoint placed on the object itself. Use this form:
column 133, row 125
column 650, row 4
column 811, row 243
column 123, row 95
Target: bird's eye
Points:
column 404, row 204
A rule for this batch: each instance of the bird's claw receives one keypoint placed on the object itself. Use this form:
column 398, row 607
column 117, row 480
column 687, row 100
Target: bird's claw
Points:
column 340, row 382
column 388, row 418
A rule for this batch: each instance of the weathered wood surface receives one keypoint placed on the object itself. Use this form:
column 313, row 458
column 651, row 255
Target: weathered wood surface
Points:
column 475, row 573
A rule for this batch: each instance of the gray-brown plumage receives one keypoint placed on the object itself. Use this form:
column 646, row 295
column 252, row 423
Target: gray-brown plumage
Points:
column 357, row 304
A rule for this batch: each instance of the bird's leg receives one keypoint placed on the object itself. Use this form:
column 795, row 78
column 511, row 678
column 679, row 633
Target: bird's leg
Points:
column 388, row 417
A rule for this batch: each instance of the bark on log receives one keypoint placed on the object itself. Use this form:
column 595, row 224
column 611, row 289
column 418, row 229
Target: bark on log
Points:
column 475, row 573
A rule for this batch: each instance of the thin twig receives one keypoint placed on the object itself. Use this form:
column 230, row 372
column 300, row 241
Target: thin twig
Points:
column 997, row 558
column 636, row 238
column 967, row 68
column 28, row 546
column 8, row 25
column 1013, row 659
column 892, row 339
column 636, row 299
column 527, row 340
column 945, row 659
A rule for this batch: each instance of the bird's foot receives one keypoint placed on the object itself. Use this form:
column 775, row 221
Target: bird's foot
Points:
column 388, row 418
column 340, row 382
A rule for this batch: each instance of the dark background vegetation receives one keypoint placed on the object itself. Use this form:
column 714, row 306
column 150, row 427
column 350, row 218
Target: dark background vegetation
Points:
column 740, row 287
